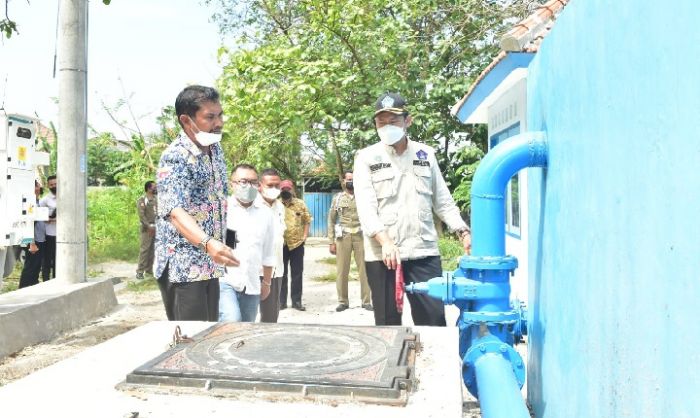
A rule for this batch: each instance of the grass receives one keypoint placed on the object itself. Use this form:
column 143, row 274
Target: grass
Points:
column 11, row 282
column 113, row 224
column 451, row 250
column 328, row 260
column 139, row 286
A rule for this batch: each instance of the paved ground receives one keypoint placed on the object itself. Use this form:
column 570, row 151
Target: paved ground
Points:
column 139, row 307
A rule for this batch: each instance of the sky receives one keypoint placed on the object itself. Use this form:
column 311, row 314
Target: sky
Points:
column 155, row 47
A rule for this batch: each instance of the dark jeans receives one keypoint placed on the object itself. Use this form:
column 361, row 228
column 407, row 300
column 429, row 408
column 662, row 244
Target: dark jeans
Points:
column 425, row 310
column 294, row 265
column 48, row 263
column 190, row 301
column 32, row 266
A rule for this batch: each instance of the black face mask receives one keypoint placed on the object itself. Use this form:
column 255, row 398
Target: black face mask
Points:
column 53, row 190
column 349, row 185
column 286, row 195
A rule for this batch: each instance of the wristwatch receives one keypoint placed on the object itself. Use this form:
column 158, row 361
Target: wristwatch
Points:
column 460, row 232
column 203, row 243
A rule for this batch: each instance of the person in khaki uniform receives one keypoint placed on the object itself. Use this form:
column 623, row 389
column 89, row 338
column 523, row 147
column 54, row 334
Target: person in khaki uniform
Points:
column 346, row 237
column 147, row 208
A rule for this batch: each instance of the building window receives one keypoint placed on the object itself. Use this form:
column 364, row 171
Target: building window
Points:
column 513, row 189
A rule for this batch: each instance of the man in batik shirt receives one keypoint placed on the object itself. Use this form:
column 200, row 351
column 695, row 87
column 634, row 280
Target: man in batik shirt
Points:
column 192, row 189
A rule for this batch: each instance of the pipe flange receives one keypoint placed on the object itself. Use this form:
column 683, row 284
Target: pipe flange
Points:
column 471, row 262
column 490, row 345
column 491, row 318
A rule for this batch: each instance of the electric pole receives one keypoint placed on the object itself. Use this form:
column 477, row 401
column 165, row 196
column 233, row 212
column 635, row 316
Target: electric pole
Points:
column 71, row 219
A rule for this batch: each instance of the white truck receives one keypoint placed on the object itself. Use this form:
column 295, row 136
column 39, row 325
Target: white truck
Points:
column 19, row 160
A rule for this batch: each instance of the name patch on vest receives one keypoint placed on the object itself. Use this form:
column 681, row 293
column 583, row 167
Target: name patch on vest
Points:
column 422, row 163
column 379, row 166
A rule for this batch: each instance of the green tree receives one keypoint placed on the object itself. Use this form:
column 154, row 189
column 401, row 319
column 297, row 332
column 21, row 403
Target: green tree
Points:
column 305, row 76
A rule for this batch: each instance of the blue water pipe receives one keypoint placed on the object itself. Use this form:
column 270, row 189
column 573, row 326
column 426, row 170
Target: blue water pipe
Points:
column 489, row 323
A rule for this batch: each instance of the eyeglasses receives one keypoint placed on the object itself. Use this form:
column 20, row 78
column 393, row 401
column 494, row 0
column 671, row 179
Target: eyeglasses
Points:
column 244, row 182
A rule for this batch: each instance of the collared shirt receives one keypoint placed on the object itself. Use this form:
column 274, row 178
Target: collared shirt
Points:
column 49, row 201
column 147, row 209
column 398, row 194
column 343, row 211
column 39, row 230
column 296, row 216
column 189, row 179
column 254, row 228
column 278, row 243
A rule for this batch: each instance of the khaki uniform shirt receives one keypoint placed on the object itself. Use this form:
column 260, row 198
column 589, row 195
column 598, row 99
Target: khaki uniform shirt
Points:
column 343, row 211
column 398, row 194
column 147, row 211
column 296, row 216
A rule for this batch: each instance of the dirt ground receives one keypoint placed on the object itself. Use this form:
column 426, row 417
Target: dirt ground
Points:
column 137, row 307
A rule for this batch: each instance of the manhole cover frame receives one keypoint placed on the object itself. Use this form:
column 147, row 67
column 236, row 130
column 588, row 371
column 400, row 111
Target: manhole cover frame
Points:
column 398, row 377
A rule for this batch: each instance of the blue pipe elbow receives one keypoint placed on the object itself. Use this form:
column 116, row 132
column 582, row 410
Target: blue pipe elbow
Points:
column 528, row 149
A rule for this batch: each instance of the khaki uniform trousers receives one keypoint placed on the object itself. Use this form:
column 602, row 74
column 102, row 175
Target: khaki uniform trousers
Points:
column 345, row 246
column 146, row 253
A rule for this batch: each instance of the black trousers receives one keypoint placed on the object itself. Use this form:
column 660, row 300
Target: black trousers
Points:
column 190, row 301
column 294, row 266
column 425, row 310
column 32, row 266
column 48, row 263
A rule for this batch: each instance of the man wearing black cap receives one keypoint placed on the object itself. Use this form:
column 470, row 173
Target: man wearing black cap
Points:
column 398, row 186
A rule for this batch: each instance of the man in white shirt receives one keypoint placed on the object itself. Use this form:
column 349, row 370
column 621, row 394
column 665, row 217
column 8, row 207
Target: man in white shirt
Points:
column 250, row 228
column 269, row 193
column 48, row 263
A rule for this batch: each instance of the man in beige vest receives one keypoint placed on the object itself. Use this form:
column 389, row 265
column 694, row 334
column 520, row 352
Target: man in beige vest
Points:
column 346, row 237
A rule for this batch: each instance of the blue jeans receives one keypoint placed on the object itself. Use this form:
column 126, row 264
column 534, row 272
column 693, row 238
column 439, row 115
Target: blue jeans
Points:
column 235, row 306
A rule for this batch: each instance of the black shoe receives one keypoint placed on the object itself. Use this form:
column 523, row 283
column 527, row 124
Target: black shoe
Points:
column 283, row 306
column 341, row 307
column 368, row 307
column 298, row 306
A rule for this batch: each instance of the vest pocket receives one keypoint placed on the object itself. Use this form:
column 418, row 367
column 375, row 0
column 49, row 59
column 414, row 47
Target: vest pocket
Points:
column 383, row 183
column 427, row 227
column 423, row 180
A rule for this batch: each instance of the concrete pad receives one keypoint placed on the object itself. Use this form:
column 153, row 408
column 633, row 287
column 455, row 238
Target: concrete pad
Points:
column 84, row 385
column 38, row 313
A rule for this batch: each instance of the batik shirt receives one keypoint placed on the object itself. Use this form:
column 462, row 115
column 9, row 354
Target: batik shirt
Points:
column 189, row 179
column 296, row 217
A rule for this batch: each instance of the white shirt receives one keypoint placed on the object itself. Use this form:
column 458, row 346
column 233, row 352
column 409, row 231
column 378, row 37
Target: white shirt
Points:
column 254, row 228
column 398, row 194
column 278, row 230
column 49, row 201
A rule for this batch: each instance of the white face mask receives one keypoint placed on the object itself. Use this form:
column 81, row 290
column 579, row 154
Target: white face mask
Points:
column 390, row 134
column 246, row 194
column 271, row 193
column 205, row 138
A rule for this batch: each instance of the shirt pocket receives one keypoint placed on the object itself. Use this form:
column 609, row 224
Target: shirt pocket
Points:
column 427, row 226
column 424, row 180
column 383, row 183
column 389, row 219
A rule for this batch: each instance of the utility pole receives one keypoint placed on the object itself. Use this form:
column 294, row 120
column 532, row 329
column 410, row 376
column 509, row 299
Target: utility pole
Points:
column 71, row 219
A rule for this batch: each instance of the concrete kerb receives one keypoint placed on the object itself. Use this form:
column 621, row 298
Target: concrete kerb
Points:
column 38, row 313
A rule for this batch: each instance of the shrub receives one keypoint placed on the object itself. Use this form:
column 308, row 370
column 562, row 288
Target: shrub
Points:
column 113, row 224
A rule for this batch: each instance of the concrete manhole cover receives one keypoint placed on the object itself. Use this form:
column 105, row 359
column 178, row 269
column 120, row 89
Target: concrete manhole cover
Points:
column 373, row 364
